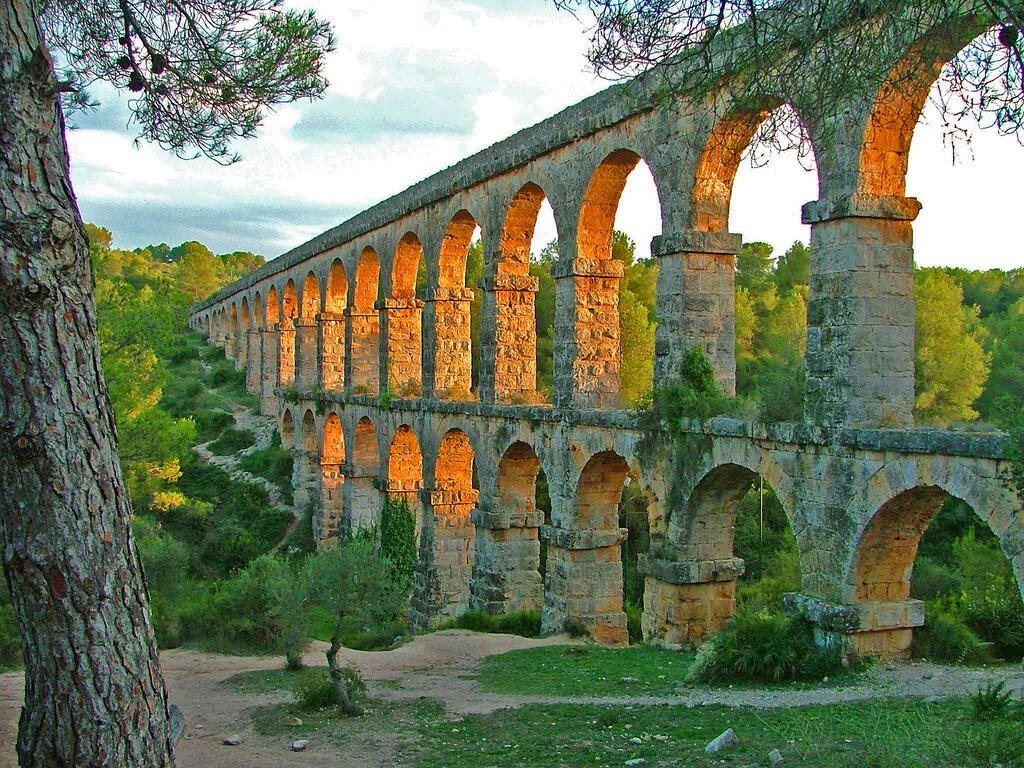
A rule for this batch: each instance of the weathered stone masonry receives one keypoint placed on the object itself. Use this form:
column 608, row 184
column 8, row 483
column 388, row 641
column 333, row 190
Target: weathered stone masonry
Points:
column 358, row 360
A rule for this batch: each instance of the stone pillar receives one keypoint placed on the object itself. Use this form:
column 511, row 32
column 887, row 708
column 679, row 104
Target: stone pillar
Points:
column 860, row 317
column 306, row 367
column 331, row 351
column 241, row 349
column 362, row 363
column 584, row 581
column 685, row 602
column 587, row 352
column 230, row 344
column 696, row 303
column 305, row 466
column 286, row 354
column 331, row 500
column 448, row 358
column 883, row 629
column 254, row 361
column 508, row 370
column 363, row 501
column 401, row 352
column 506, row 569
column 441, row 581
column 269, row 402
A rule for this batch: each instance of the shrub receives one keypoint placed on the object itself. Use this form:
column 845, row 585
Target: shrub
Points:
column 273, row 463
column 766, row 593
column 575, row 628
column 243, row 615
column 947, row 638
column 932, row 579
column 213, row 354
column 227, row 546
column 225, row 375
column 232, row 441
column 398, row 540
column 10, row 639
column 634, row 613
column 524, row 623
column 210, row 423
column 316, row 690
column 993, row 702
column 764, row 647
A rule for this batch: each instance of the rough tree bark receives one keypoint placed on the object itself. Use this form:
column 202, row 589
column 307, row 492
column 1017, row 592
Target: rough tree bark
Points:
column 94, row 695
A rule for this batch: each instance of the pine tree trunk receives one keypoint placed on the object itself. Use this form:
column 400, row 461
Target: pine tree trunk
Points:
column 94, row 695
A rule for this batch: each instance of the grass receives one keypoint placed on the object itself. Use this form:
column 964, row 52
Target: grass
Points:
column 583, row 670
column 232, row 440
column 273, row 463
column 892, row 733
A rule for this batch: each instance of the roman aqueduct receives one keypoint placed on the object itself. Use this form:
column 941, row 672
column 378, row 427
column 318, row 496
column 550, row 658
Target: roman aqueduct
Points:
column 371, row 382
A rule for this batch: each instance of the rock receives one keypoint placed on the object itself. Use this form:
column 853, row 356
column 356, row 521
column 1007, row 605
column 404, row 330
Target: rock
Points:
column 295, row 721
column 233, row 740
column 726, row 739
column 636, row 761
column 775, row 757
column 660, row 737
column 626, row 680
column 636, row 740
column 933, row 700
column 177, row 723
column 301, row 744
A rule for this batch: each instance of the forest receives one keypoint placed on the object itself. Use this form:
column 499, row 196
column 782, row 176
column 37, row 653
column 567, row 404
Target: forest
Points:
column 221, row 554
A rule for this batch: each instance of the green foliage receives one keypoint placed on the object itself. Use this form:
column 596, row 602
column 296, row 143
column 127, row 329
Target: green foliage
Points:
column 575, row 628
column 273, row 463
column 951, row 362
column 232, row 441
column 523, row 623
column 398, row 540
column 633, row 517
column 695, row 396
column 10, row 639
column 993, row 702
column 634, row 612
column 210, row 423
column 947, row 638
column 764, row 647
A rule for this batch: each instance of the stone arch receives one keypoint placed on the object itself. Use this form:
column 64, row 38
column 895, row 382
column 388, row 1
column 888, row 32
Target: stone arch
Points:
column 405, row 463
column 234, row 318
column 273, row 314
column 306, row 467
column 518, row 228
column 257, row 311
column 310, row 440
column 287, row 429
column 454, row 248
column 364, row 497
column 601, row 202
column 716, row 169
column 894, row 508
column 506, row 569
column 363, row 362
column 454, row 468
column 890, row 126
column 406, row 266
column 245, row 320
column 598, row 492
column 336, row 295
column 310, row 303
column 402, row 321
column 290, row 301
column 331, row 497
column 367, row 280
column 334, row 440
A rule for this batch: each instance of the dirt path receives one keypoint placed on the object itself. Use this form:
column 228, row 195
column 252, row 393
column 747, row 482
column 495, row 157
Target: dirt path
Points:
column 441, row 666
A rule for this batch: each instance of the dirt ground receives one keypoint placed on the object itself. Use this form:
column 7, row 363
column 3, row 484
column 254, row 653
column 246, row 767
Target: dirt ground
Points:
column 444, row 663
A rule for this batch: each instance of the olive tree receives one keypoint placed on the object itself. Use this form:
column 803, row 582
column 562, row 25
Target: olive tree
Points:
column 202, row 73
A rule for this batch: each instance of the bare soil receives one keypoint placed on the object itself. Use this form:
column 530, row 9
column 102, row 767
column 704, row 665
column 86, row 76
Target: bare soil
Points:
column 440, row 666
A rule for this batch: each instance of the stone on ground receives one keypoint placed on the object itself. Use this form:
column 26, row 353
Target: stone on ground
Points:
column 726, row 739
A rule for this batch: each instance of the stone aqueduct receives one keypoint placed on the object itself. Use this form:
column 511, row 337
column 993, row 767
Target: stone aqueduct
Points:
column 371, row 382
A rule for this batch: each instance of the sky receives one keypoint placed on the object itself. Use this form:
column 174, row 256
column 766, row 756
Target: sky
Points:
column 417, row 85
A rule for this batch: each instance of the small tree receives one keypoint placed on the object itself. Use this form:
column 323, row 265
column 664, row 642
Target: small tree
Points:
column 356, row 587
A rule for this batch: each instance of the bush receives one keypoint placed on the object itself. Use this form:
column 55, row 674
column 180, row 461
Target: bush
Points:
column 213, row 354
column 932, row 579
column 634, row 613
column 243, row 615
column 524, row 623
column 946, row 638
column 225, row 375
column 273, row 463
column 575, row 628
column 766, row 593
column 993, row 702
column 211, row 423
column 232, row 441
column 10, row 639
column 764, row 647
column 316, row 690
